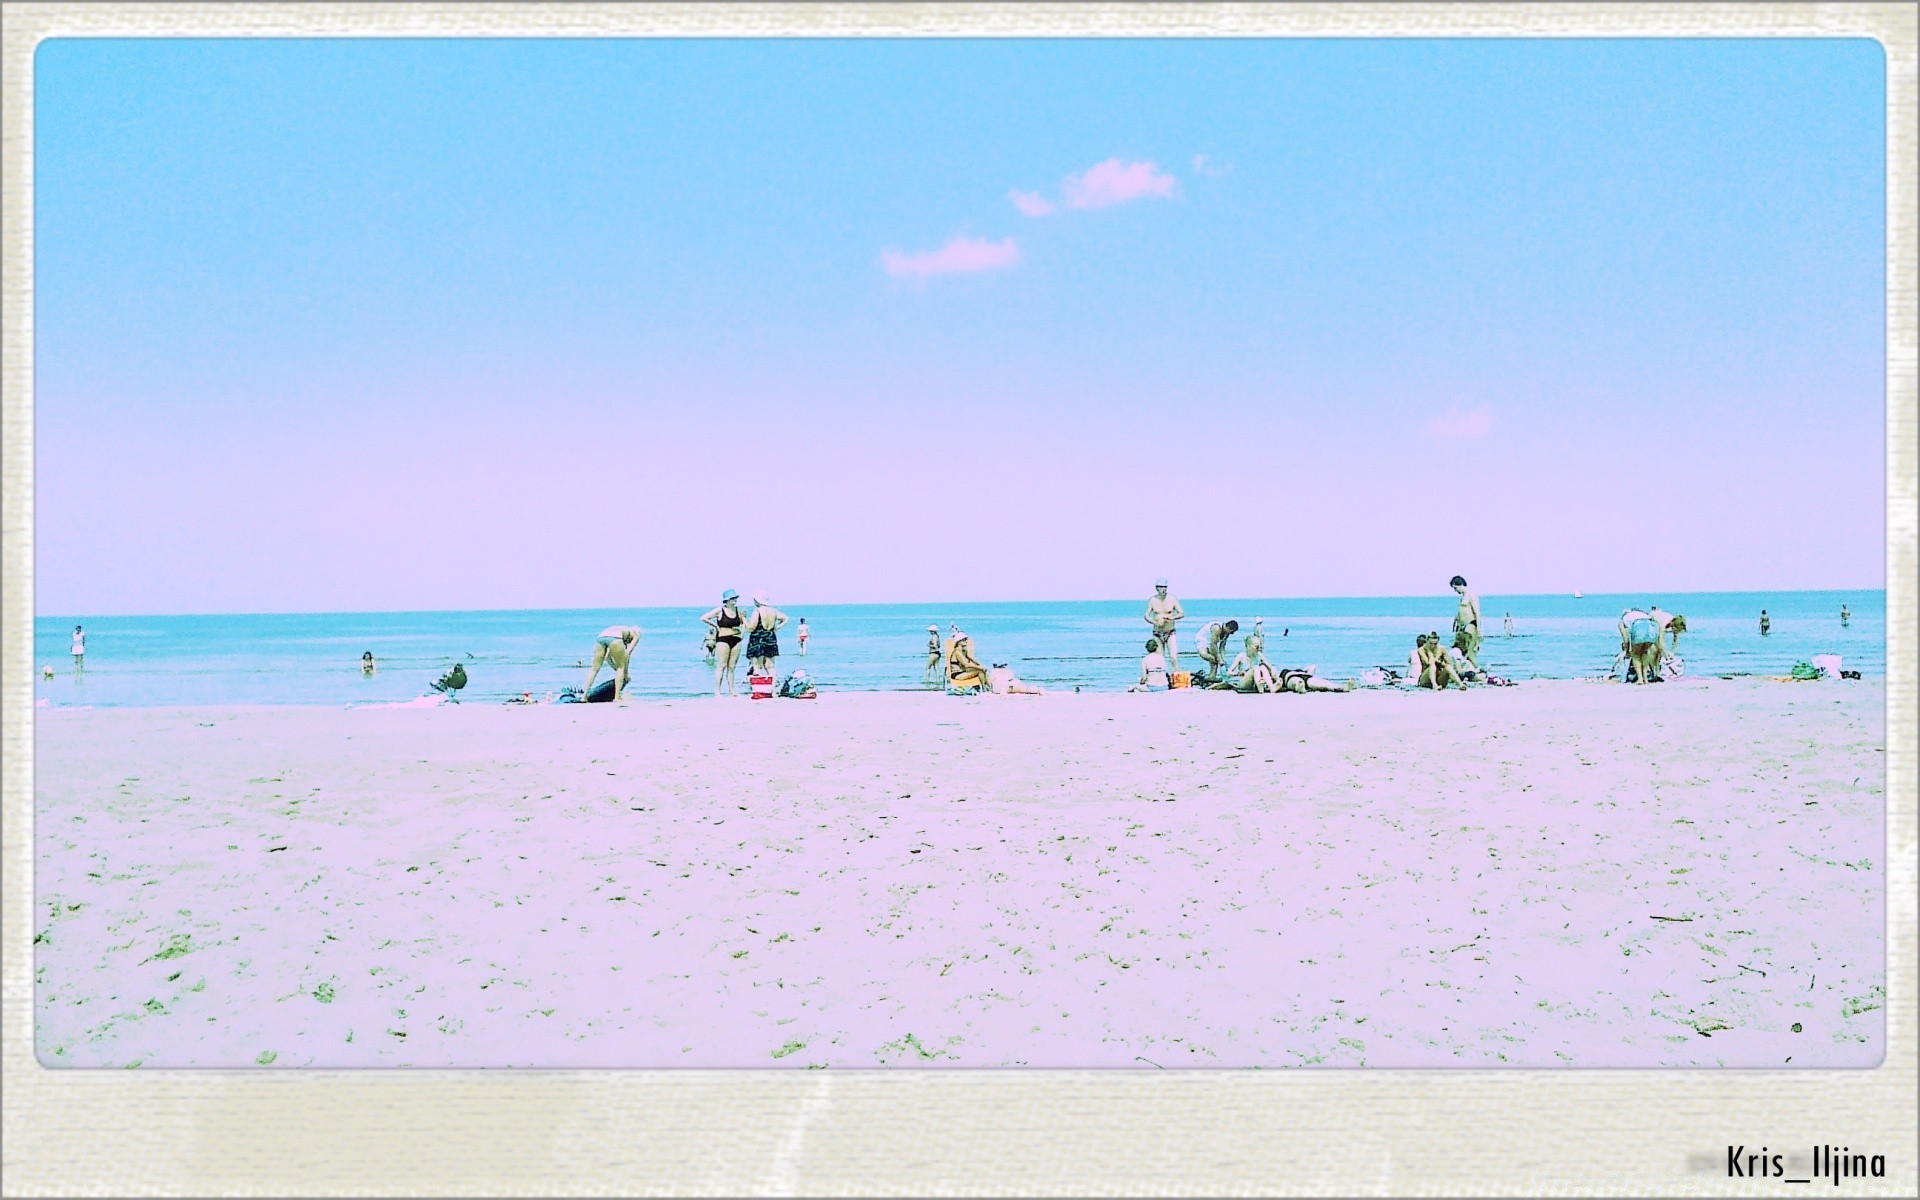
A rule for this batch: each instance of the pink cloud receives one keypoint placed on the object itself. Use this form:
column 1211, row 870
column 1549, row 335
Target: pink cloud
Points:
column 1456, row 424
column 961, row 256
column 1115, row 182
column 1031, row 203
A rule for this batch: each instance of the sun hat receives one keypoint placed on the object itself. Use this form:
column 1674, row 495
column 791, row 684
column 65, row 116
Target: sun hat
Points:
column 729, row 594
column 759, row 597
column 1160, row 582
column 933, row 629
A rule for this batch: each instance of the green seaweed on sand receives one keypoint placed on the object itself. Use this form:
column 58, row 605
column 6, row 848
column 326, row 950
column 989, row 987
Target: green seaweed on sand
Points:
column 266, row 1058
column 154, row 1006
column 1855, row 1005
column 323, row 993
column 910, row 1042
column 177, row 945
column 789, row 1048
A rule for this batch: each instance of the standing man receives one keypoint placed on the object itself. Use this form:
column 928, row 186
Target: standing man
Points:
column 1163, row 612
column 79, row 648
column 1508, row 624
column 935, row 653
column 1766, row 623
column 1845, row 615
column 1466, row 623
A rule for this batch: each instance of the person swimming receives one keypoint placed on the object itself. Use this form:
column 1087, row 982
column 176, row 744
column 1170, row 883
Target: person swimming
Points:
column 724, row 624
column 763, row 640
column 613, row 648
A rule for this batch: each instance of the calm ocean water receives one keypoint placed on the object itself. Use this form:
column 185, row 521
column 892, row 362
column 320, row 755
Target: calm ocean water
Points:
column 314, row 658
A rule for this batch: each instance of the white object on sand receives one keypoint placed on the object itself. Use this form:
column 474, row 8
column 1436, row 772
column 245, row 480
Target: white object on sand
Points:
column 1827, row 664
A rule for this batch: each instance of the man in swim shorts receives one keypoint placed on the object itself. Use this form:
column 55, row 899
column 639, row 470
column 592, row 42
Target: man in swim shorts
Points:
column 1163, row 613
column 1466, row 622
column 614, row 648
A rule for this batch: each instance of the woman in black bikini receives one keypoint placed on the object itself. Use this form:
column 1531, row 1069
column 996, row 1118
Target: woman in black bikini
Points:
column 724, row 624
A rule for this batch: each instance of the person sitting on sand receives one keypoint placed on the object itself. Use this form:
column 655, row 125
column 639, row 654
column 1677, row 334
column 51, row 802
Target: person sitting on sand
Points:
column 613, row 648
column 934, row 654
column 1431, row 666
column 723, row 640
column 366, row 663
column 1163, row 613
column 1251, row 659
column 1466, row 622
column 964, row 671
column 1153, row 669
column 763, row 643
column 1213, row 645
column 450, row 684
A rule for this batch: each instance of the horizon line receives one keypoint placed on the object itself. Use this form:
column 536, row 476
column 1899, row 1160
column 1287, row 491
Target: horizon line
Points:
column 792, row 607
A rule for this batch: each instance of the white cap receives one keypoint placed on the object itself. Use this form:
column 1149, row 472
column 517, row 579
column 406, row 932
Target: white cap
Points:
column 1160, row 583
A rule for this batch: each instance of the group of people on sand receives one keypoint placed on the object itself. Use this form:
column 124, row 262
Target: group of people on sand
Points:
column 732, row 633
column 963, row 673
column 1248, row 671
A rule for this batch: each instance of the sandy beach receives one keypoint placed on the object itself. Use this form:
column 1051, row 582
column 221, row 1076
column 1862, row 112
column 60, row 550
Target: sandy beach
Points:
column 1575, row 874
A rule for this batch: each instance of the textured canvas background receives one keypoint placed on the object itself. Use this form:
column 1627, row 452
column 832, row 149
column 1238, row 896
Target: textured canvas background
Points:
column 568, row 1133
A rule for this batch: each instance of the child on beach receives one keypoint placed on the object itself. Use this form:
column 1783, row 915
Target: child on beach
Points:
column 801, row 636
column 79, row 648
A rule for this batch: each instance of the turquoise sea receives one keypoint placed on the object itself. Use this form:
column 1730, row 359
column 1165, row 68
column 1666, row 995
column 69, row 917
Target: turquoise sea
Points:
column 313, row 658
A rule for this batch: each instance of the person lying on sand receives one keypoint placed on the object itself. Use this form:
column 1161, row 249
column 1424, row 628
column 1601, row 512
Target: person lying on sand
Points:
column 1153, row 669
column 1307, row 679
column 1001, row 681
column 964, row 672
column 613, row 648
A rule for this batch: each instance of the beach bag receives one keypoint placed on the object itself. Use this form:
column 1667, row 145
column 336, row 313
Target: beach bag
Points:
column 1804, row 671
column 1180, row 679
column 760, row 687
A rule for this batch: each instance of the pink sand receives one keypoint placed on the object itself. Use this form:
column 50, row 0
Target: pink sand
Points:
column 1176, row 880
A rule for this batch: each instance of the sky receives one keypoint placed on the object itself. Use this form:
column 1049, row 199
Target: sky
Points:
column 385, row 325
